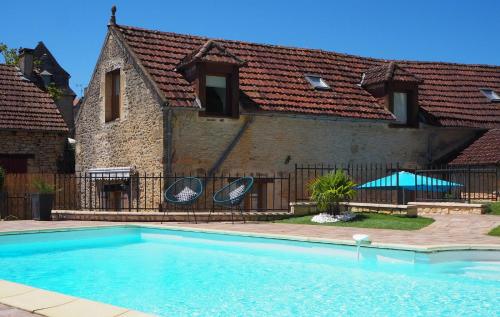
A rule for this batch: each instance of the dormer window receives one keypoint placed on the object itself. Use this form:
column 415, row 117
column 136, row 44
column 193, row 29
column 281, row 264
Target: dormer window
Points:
column 491, row 94
column 216, row 99
column 214, row 72
column 317, row 82
column 400, row 107
column 397, row 89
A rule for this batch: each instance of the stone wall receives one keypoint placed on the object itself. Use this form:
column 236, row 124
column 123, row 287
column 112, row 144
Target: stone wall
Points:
column 310, row 208
column 448, row 208
column 136, row 138
column 46, row 147
column 275, row 143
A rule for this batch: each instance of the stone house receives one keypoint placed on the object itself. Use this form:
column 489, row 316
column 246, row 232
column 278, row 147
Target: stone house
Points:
column 33, row 132
column 166, row 102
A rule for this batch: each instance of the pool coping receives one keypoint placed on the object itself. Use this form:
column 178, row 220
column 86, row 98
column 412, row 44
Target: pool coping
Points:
column 378, row 245
column 53, row 304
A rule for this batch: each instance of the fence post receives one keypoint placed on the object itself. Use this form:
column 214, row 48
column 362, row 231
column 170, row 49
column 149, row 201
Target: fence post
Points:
column 289, row 192
column 90, row 194
column 398, row 190
column 138, row 192
column 496, row 182
column 416, row 187
column 296, row 185
column 468, row 183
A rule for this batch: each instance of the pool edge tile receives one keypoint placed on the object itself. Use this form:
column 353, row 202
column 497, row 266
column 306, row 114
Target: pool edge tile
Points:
column 379, row 245
column 83, row 308
column 9, row 289
column 37, row 299
column 54, row 304
column 135, row 313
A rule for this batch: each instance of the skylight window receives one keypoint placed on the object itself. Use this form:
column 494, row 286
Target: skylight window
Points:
column 317, row 82
column 490, row 94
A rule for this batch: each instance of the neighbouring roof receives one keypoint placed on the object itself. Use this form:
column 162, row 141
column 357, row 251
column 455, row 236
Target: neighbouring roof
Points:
column 25, row 106
column 274, row 79
column 484, row 151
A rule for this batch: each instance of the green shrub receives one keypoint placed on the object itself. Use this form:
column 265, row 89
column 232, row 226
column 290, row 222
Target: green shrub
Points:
column 493, row 208
column 331, row 189
column 2, row 177
column 41, row 186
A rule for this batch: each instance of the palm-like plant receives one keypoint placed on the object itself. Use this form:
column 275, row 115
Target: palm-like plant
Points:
column 43, row 187
column 331, row 189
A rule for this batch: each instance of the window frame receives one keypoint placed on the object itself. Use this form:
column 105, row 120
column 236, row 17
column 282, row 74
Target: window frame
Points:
column 324, row 84
column 16, row 163
column 227, row 111
column 231, row 72
column 393, row 110
column 493, row 92
column 113, row 98
column 412, row 112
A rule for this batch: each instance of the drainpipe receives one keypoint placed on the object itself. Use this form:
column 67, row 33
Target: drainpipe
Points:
column 168, row 140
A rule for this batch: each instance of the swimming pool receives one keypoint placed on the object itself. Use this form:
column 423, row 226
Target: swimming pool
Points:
column 182, row 273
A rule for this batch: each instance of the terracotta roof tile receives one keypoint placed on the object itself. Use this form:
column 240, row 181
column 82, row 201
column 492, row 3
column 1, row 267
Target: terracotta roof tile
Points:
column 388, row 72
column 484, row 151
column 25, row 106
column 273, row 79
column 211, row 51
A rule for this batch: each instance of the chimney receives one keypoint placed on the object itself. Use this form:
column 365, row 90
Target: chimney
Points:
column 26, row 61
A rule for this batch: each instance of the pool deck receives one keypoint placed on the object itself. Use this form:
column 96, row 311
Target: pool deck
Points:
column 447, row 232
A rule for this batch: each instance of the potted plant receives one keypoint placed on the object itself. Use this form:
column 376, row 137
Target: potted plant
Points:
column 329, row 190
column 42, row 200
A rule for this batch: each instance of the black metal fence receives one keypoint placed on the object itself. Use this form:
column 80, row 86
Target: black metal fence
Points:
column 470, row 183
column 144, row 192
column 474, row 183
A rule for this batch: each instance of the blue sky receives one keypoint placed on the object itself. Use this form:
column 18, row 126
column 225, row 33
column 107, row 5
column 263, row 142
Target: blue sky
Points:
column 445, row 30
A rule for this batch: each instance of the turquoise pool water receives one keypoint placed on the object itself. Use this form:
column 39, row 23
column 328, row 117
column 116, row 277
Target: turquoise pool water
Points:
column 176, row 273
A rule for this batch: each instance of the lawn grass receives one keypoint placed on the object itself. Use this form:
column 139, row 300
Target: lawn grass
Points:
column 493, row 209
column 495, row 232
column 370, row 220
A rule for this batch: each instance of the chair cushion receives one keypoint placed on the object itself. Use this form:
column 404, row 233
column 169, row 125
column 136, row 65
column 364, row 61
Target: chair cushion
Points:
column 236, row 193
column 185, row 194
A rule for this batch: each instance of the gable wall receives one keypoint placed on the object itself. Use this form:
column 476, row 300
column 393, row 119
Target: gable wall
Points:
column 136, row 139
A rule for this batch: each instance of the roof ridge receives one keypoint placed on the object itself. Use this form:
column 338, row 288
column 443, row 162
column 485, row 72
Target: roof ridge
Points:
column 390, row 70
column 367, row 58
